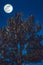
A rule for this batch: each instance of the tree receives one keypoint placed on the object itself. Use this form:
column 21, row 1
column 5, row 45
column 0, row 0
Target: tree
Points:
column 23, row 33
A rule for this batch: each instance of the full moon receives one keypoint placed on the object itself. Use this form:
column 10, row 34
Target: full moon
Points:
column 8, row 8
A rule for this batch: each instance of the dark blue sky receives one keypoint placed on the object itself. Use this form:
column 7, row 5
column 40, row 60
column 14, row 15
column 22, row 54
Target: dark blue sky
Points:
column 27, row 7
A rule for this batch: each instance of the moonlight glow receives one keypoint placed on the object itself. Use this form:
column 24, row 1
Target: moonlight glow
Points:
column 8, row 8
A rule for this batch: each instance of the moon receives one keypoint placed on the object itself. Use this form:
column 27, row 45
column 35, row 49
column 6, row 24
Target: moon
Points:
column 8, row 8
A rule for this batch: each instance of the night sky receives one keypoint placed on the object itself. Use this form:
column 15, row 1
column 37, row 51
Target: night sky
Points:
column 27, row 7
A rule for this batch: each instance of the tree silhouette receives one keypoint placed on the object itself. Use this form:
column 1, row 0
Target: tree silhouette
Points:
column 19, row 35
